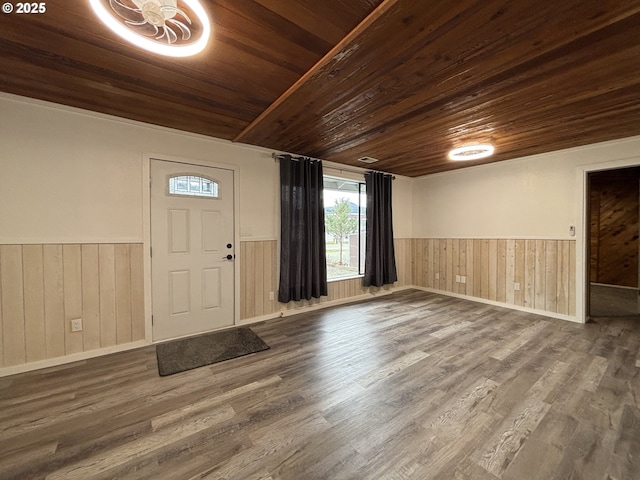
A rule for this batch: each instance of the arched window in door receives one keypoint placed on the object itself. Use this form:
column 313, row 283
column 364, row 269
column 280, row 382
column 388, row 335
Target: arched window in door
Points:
column 193, row 186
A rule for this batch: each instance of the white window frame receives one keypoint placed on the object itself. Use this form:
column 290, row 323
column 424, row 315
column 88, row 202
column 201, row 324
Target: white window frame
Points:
column 362, row 215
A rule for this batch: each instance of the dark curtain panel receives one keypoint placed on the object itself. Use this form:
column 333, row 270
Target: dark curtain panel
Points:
column 380, row 258
column 303, row 266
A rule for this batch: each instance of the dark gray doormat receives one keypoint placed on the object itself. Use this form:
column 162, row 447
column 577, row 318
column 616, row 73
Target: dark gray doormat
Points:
column 181, row 355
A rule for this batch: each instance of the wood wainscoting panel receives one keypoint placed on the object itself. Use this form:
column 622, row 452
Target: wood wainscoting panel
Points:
column 72, row 280
column 44, row 287
column 53, row 300
column 35, row 336
column 510, row 272
column 137, row 291
column 551, row 268
column 91, row 296
column 536, row 274
column 107, row 268
column 404, row 253
column 13, row 325
column 539, row 289
column 529, row 273
column 477, row 268
column 123, row 293
column 259, row 277
column 352, row 287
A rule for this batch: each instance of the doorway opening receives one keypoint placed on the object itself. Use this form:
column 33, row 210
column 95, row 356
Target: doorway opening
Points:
column 613, row 242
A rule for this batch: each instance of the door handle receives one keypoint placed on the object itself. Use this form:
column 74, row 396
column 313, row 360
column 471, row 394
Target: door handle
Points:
column 228, row 257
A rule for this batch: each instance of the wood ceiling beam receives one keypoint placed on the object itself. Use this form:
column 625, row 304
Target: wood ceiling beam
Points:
column 329, row 57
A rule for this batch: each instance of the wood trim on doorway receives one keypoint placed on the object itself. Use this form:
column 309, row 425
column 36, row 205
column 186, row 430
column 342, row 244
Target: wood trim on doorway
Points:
column 582, row 237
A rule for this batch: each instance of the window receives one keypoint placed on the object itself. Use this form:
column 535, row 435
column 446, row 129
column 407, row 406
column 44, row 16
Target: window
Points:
column 345, row 227
column 193, row 186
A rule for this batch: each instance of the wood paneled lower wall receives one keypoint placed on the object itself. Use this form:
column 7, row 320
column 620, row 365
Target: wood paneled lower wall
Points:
column 44, row 287
column 259, row 277
column 536, row 274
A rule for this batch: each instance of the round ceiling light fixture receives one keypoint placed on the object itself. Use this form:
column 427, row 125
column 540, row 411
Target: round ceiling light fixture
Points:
column 471, row 152
column 159, row 26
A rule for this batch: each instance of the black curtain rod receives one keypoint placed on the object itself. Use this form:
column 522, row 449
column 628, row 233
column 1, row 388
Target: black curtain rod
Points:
column 276, row 157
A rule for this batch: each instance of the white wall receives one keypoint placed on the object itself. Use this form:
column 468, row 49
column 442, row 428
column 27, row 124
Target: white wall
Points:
column 73, row 176
column 531, row 197
column 403, row 207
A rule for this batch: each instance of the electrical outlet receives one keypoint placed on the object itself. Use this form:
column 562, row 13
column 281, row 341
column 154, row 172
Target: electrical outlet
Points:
column 457, row 278
column 76, row 325
column 271, row 296
column 437, row 276
column 463, row 279
column 516, row 287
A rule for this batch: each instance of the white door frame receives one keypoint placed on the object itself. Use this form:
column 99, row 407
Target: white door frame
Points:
column 582, row 262
column 146, row 227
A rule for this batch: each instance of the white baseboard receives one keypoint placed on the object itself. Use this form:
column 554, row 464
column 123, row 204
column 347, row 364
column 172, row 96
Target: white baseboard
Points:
column 342, row 301
column 544, row 313
column 76, row 357
column 319, row 306
column 54, row 362
column 261, row 318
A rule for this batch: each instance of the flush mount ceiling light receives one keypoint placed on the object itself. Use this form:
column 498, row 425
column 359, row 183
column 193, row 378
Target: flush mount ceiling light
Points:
column 471, row 152
column 176, row 28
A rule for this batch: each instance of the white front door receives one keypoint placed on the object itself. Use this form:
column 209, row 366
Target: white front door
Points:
column 192, row 242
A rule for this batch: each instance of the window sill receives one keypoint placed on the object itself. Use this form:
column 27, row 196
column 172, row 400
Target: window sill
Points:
column 339, row 279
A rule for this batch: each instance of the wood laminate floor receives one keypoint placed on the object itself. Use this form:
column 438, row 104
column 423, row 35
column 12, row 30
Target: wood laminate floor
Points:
column 611, row 301
column 409, row 386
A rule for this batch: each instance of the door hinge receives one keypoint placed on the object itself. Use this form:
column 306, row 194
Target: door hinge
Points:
column 149, row 182
column 151, row 251
column 152, row 320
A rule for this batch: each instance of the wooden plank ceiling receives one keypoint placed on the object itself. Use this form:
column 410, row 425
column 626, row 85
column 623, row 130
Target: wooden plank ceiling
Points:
column 399, row 80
